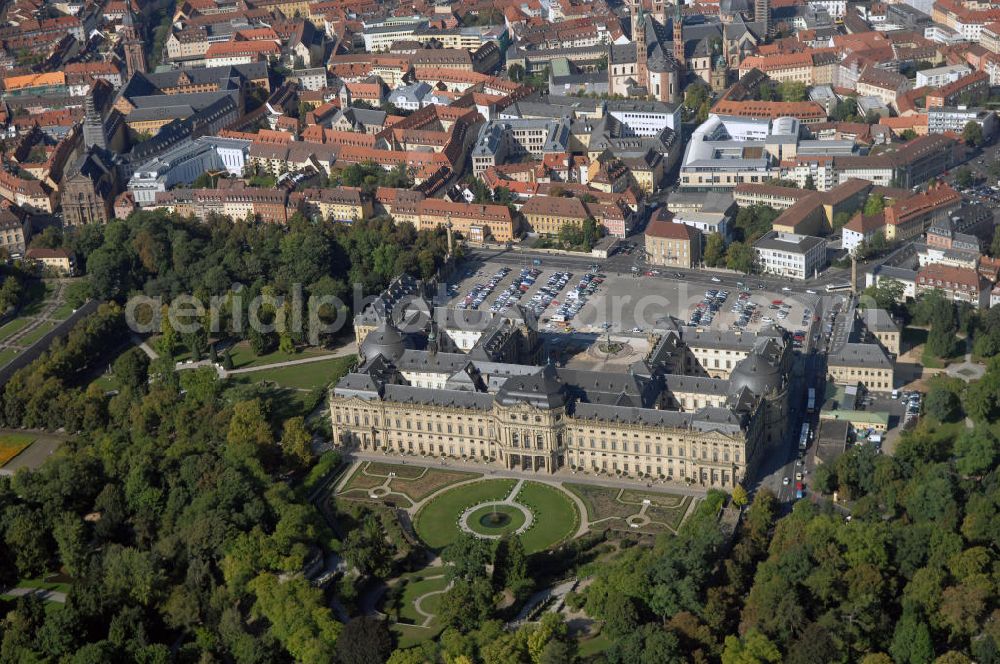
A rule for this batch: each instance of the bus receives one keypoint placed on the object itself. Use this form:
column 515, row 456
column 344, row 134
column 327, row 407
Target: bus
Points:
column 804, row 436
column 834, row 288
column 811, row 401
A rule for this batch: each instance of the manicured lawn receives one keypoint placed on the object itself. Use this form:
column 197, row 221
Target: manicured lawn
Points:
column 36, row 334
column 556, row 516
column 62, row 312
column 931, row 361
column 437, row 521
column 12, row 444
column 594, row 646
column 6, row 355
column 306, row 376
column 106, row 382
column 414, row 590
column 243, row 357
column 408, row 636
column 396, row 470
column 11, row 327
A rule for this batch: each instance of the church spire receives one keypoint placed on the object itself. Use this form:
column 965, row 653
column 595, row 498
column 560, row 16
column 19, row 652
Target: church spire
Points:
column 679, row 35
column 135, row 56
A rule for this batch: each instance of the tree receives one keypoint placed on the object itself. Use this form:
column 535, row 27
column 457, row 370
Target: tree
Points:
column 740, row 497
column 874, row 205
column 943, row 404
column 908, row 135
column 972, row 134
column 885, row 294
column 809, row 183
column 824, row 479
column 715, row 250
column 71, row 541
column 964, row 178
column 516, row 72
column 296, row 443
column 911, row 641
column 249, row 432
column 620, row 615
column 740, row 257
column 298, row 616
column 466, row 604
column 131, row 369
column 976, row 451
column 753, row 648
column 792, row 91
column 364, row 640
column 25, row 535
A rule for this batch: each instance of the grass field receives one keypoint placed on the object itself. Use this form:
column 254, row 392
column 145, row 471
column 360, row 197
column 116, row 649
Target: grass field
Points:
column 414, row 590
column 243, row 357
column 437, row 521
column 62, row 312
column 556, row 516
column 308, row 376
column 12, row 444
column 11, row 327
column 413, row 630
column 36, row 334
column 6, row 355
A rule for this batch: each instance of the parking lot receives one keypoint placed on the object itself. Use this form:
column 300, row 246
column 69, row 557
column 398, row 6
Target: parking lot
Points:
column 594, row 301
column 556, row 296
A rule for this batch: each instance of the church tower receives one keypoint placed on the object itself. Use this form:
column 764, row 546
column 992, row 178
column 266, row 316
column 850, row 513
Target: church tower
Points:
column 135, row 57
column 639, row 37
column 762, row 14
column 94, row 134
column 679, row 36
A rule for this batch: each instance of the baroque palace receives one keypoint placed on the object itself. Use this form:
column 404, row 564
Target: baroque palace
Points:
column 702, row 407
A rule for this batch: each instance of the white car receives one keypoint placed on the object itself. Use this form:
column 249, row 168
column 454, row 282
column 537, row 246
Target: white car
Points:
column 786, row 289
column 716, row 279
column 810, row 291
column 784, row 481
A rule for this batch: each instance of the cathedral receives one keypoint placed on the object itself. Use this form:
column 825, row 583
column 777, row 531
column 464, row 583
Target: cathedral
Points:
column 664, row 52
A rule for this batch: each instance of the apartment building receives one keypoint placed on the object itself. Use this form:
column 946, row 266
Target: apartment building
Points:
column 344, row 204
column 14, row 233
column 672, row 244
column 941, row 76
column 499, row 140
column 867, row 364
column 476, row 222
column 546, row 215
column 960, row 284
column 942, row 118
column 779, row 198
column 966, row 90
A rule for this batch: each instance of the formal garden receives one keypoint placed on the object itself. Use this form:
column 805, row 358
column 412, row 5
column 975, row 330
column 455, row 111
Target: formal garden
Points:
column 631, row 510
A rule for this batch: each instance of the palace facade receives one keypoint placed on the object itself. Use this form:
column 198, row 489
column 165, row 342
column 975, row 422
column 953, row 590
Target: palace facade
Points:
column 700, row 408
